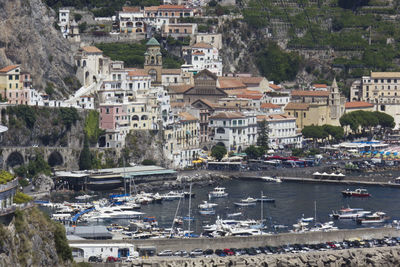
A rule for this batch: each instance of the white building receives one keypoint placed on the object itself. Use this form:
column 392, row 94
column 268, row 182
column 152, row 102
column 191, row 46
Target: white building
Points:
column 205, row 56
column 279, row 99
column 63, row 21
column 282, row 131
column 233, row 129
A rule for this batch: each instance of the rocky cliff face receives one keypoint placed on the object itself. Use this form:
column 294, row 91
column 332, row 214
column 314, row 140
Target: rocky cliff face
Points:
column 32, row 240
column 28, row 37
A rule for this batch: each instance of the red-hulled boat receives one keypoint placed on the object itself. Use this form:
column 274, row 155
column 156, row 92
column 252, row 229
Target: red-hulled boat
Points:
column 356, row 193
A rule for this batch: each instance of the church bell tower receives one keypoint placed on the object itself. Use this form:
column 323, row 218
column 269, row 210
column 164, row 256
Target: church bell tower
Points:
column 153, row 61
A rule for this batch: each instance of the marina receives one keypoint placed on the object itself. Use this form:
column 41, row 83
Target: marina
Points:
column 278, row 209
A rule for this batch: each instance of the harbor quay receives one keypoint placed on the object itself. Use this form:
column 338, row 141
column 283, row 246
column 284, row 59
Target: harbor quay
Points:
column 189, row 244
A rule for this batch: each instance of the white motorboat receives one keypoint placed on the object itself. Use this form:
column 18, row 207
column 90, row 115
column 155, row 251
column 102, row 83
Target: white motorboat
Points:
column 218, row 192
column 310, row 219
column 102, row 213
column 172, row 196
column 271, row 179
column 207, row 211
column 376, row 217
column 231, row 215
column 246, row 202
column 207, row 205
column 349, row 213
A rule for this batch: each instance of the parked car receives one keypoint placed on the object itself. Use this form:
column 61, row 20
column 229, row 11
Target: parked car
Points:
column 181, row 253
column 228, row 252
column 208, row 252
column 165, row 253
column 95, row 259
column 196, row 252
column 112, row 259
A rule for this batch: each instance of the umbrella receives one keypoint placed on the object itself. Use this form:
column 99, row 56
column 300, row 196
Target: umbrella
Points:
column 395, row 153
column 362, row 152
column 387, row 153
column 316, row 173
column 375, row 152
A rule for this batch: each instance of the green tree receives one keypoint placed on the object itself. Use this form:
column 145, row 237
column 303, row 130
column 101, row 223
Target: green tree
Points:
column 85, row 158
column 218, row 152
column 336, row 132
column 254, row 152
column 38, row 166
column 92, row 129
column 277, row 64
column 263, row 132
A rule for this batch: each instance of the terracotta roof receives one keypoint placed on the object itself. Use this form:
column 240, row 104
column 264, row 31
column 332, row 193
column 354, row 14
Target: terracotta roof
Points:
column 358, row 104
column 230, row 83
column 172, row 7
column 310, row 93
column 131, row 9
column 385, row 75
column 317, row 85
column 198, row 54
column 227, row 115
column 187, row 116
column 202, row 45
column 138, row 72
column 269, row 105
column 279, row 117
column 292, row 105
column 208, row 103
column 251, row 80
column 179, row 89
column 8, row 68
column 261, row 117
column 151, row 8
column 177, row 104
column 91, row 49
column 242, row 92
column 250, row 96
column 274, row 86
column 171, row 71
column 206, row 71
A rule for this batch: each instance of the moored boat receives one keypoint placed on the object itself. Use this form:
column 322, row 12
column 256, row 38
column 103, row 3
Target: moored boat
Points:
column 356, row 193
column 376, row 217
column 271, row 179
column 218, row 192
column 349, row 213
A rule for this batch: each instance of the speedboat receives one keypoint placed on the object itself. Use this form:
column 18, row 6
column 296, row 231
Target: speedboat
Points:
column 310, row 219
column 230, row 215
column 246, row 202
column 349, row 213
column 271, row 179
column 218, row 192
column 356, row 193
column 172, row 196
column 207, row 205
column 207, row 211
column 265, row 199
column 376, row 217
column 111, row 213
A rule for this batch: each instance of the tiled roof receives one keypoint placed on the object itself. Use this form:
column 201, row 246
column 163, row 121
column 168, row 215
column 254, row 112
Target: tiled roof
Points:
column 138, row 72
column 198, row 54
column 227, row 115
column 8, row 68
column 251, row 80
column 202, row 45
column 292, row 105
column 172, row 7
column 152, row 41
column 229, row 82
column 358, row 104
column 250, row 96
column 171, row 71
column 208, row 103
column 91, row 49
column 242, row 92
column 151, row 8
column 317, row 85
column 274, row 86
column 269, row 105
column 179, row 89
column 131, row 9
column 385, row 75
column 310, row 93
column 279, row 117
column 187, row 117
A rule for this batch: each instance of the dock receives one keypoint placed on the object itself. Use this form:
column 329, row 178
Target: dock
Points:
column 325, row 181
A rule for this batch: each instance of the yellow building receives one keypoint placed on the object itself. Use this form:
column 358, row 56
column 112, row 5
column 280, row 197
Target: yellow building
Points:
column 10, row 78
column 358, row 105
column 309, row 114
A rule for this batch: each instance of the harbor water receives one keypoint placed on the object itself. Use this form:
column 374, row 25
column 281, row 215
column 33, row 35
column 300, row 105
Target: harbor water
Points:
column 292, row 201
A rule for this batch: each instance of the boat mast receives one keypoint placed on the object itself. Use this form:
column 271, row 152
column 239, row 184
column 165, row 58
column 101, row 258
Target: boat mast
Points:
column 315, row 211
column 190, row 202
column 173, row 221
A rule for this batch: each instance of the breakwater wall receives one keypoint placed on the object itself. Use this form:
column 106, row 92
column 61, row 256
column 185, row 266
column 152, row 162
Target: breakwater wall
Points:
column 384, row 256
column 254, row 241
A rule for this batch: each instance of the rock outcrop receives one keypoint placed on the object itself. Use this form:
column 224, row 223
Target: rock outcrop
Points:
column 43, row 183
column 33, row 240
column 28, row 37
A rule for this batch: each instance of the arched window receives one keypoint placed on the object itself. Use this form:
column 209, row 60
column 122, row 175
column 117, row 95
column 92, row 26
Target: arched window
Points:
column 221, row 130
column 153, row 74
column 135, row 117
column 152, row 60
column 84, row 63
column 144, row 117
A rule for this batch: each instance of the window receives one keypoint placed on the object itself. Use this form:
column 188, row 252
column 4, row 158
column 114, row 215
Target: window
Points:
column 10, row 77
column 16, row 77
column 16, row 85
column 107, row 111
column 304, row 114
